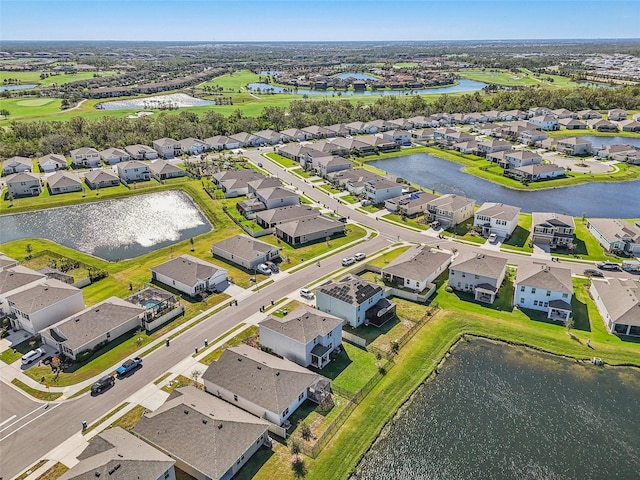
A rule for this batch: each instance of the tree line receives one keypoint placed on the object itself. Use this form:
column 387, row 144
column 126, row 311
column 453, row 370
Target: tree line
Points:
column 39, row 137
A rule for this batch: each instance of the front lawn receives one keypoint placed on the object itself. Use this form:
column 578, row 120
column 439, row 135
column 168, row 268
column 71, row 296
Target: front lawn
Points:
column 252, row 331
column 284, row 162
column 349, row 199
column 519, row 238
column 417, row 222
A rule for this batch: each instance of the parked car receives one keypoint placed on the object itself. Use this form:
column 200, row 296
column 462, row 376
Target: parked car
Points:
column 306, row 293
column 343, row 219
column 264, row 269
column 101, row 385
column 589, row 272
column 129, row 366
column 360, row 256
column 348, row 261
column 607, row 266
column 493, row 238
column 32, row 355
column 273, row 266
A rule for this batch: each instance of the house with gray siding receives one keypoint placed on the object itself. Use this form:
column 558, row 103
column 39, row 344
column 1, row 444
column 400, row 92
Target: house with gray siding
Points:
column 306, row 230
column 541, row 286
column 64, row 182
column 618, row 301
column 190, row 275
column 417, row 268
column 101, row 178
column 479, row 274
column 24, row 184
column 16, row 165
column 245, row 251
column 615, row 235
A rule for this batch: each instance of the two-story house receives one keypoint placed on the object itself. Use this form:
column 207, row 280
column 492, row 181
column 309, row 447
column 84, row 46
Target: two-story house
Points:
column 24, row 184
column 167, row 147
column 111, row 156
column 85, row 157
column 479, row 274
column 553, row 229
column 450, row 210
column 543, row 287
column 497, row 218
column 379, row 190
column 134, row 171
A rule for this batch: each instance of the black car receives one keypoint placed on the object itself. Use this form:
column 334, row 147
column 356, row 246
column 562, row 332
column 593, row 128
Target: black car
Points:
column 101, row 385
column 593, row 273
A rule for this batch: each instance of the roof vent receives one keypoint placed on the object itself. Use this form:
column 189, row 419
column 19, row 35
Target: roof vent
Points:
column 277, row 374
column 239, row 359
column 204, row 420
column 259, row 367
column 97, row 474
column 117, row 466
column 186, row 412
column 78, row 319
column 220, row 426
column 120, row 455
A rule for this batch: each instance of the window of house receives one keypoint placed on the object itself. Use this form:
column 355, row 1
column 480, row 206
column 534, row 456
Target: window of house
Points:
column 235, row 397
column 565, row 295
column 533, row 290
column 166, row 474
column 521, row 299
column 522, row 288
column 476, row 277
column 548, row 293
column 300, row 396
column 535, row 302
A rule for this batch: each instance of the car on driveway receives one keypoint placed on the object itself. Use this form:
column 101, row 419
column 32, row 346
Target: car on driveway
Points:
column 493, row 238
column 101, row 385
column 607, row 266
column 273, row 266
column 32, row 355
column 306, row 293
column 590, row 272
column 264, row 269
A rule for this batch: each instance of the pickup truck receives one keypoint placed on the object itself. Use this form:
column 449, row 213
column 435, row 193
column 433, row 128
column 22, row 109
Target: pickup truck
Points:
column 129, row 366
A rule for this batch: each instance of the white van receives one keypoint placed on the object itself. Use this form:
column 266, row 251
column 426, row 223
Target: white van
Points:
column 33, row 355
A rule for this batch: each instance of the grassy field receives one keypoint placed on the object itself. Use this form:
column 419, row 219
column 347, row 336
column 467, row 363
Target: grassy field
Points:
column 52, row 79
column 523, row 78
column 233, row 81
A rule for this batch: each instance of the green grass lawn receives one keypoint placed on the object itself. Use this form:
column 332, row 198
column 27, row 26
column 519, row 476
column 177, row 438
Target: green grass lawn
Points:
column 178, row 382
column 284, row 162
column 57, row 79
column 388, row 256
column 520, row 236
column 352, row 368
column 130, row 419
column 349, row 199
column 236, row 340
column 39, row 394
column 410, row 222
column 587, row 247
column 328, row 189
column 54, row 472
column 14, row 354
column 233, row 81
column 465, row 231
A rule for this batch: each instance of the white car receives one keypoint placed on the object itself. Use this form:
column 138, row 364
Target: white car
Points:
column 264, row 269
column 348, row 261
column 306, row 293
column 33, row 355
column 360, row 256
column 493, row 238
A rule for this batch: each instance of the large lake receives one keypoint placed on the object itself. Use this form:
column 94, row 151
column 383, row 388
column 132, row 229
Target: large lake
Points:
column 610, row 200
column 463, row 85
column 26, row 86
column 500, row 412
column 113, row 229
column 174, row 100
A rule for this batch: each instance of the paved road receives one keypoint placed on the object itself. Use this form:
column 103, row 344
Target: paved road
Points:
column 21, row 447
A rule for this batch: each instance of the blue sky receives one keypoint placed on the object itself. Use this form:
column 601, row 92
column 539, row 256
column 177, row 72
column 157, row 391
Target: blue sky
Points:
column 305, row 20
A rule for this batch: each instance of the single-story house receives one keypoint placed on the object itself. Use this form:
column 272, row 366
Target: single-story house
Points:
column 293, row 135
column 193, row 146
column 101, row 178
column 608, row 151
column 162, row 170
column 269, row 137
column 116, row 450
column 540, row 286
column 562, row 113
column 417, row 268
column 221, row 142
column 267, row 386
column 422, row 134
column 315, row 131
column 305, row 336
column 245, row 251
column 16, row 165
column 497, row 218
column 190, row 275
column 111, row 156
column 167, row 147
column 589, row 114
column 479, row 274
column 42, row 304
column 235, row 183
column 141, row 152
column 276, row 216
column 618, row 301
column 98, row 324
column 470, row 147
column 244, row 139
column 207, row 437
column 355, row 300
column 493, row 146
column 261, row 183
column 399, row 137
column 534, row 173
column 617, row 114
column 629, row 126
column 85, row 157
column 64, row 182
column 52, row 162
column 134, row 171
column 410, row 204
column 572, row 124
column 603, row 125
column 24, row 184
column 615, row 235
column 301, row 231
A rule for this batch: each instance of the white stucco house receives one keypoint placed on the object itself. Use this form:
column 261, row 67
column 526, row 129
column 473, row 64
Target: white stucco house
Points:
column 618, row 301
column 541, row 286
column 497, row 218
column 85, row 157
column 134, row 171
column 24, row 184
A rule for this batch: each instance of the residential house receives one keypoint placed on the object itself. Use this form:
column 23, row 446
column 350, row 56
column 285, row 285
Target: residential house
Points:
column 574, row 146
column 116, row 454
column 519, row 158
column 101, row 178
column 455, row 136
column 539, row 111
column 417, row 268
column 167, row 147
column 314, row 131
column 333, row 163
column 629, row 126
column 295, row 151
column 267, row 386
column 16, row 165
column 399, row 137
column 276, row 216
column 64, row 182
column 6, row 262
column 603, row 125
column 410, row 204
column 15, row 278
column 134, row 171
column 235, row 183
column 369, row 144
column 552, row 229
column 141, row 152
column 193, row 146
column 43, row 304
column 293, row 135
column 479, row 274
column 379, row 190
column 562, row 113
column 540, row 286
column 401, row 124
column 245, row 251
column 511, row 115
column 420, row 121
column 608, row 151
column 111, row 156
column 450, row 210
column 493, row 146
column 274, row 197
column 531, row 137
column 616, row 236
column 467, row 147
column 52, row 163
column 534, row 173
column 301, row 231
column 163, row 170
column 338, row 130
column 190, row 275
column 93, row 327
column 24, row 184
column 589, row 114
column 496, row 218
column 379, row 126
column 422, row 134
column 355, row 300
column 305, row 336
column 220, row 142
column 261, row 183
column 572, row 124
column 618, row 301
column 545, row 122
column 207, row 437
column 85, row 157
column 269, row 137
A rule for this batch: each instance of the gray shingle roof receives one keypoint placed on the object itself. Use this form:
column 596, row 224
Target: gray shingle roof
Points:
column 545, row 276
column 201, row 430
column 100, row 175
column 499, row 211
column 308, row 226
column 270, row 382
column 292, row 212
column 303, row 324
column 552, row 220
column 614, row 230
column 17, row 277
column 621, row 298
column 187, row 269
column 162, row 166
column 418, row 265
column 63, row 179
column 350, row 289
column 117, row 455
column 42, row 295
column 481, row 264
column 244, row 247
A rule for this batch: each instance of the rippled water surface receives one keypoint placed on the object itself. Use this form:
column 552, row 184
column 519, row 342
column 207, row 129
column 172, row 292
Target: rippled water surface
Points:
column 499, row 412
column 113, row 229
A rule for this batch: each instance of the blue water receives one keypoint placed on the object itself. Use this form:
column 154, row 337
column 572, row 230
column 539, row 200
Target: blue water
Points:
column 599, row 141
column 609, row 200
column 357, row 76
column 26, row 86
column 174, row 100
column 463, row 85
